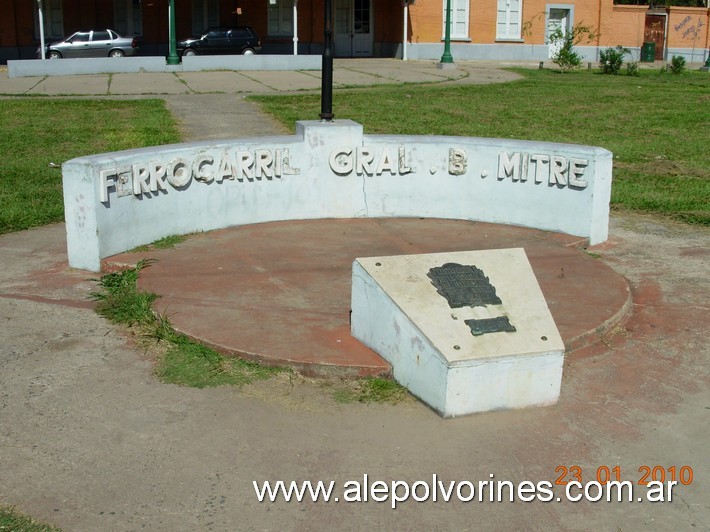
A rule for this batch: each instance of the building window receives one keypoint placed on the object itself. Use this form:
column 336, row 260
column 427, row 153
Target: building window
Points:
column 127, row 17
column 205, row 14
column 280, row 18
column 509, row 16
column 459, row 19
column 53, row 22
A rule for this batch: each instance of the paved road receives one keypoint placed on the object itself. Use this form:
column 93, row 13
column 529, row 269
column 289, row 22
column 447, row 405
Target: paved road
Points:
column 90, row 440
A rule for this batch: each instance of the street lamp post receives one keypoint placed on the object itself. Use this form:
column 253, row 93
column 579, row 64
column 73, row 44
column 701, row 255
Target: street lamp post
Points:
column 447, row 58
column 173, row 58
column 326, row 95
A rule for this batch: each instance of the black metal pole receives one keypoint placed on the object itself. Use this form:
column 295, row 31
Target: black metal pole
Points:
column 326, row 93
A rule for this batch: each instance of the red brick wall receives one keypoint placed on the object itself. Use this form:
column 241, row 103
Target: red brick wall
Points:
column 623, row 25
column 8, row 35
column 688, row 27
column 22, row 19
column 388, row 20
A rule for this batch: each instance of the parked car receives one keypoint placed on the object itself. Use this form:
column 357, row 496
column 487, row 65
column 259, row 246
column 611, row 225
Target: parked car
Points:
column 239, row 40
column 92, row 43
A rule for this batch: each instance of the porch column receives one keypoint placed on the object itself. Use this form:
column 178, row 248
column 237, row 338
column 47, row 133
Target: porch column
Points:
column 404, row 38
column 295, row 27
column 41, row 30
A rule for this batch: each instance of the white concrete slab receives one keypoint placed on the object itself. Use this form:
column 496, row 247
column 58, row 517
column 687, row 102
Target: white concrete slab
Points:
column 85, row 65
column 198, row 63
column 158, row 64
column 397, row 311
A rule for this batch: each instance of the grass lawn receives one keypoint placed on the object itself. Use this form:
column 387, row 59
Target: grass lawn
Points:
column 38, row 133
column 656, row 125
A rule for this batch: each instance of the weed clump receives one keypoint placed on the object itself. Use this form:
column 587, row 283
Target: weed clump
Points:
column 181, row 360
column 677, row 65
column 612, row 59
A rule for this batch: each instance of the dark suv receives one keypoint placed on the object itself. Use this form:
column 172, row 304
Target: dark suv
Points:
column 240, row 40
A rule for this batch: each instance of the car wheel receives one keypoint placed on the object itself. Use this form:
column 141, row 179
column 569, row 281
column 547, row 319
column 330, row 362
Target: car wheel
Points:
column 189, row 51
column 54, row 55
column 248, row 51
column 116, row 53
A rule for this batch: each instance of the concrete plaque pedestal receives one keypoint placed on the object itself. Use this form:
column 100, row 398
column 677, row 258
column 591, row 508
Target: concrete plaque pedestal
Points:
column 397, row 312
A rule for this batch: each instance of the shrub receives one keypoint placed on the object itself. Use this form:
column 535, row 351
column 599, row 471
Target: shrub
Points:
column 611, row 59
column 632, row 69
column 566, row 57
column 677, row 65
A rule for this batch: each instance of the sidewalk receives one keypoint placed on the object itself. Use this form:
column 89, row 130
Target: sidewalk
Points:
column 91, row 440
column 346, row 73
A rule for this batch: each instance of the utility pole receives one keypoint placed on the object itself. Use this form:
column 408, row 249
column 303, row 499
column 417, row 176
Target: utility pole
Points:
column 173, row 58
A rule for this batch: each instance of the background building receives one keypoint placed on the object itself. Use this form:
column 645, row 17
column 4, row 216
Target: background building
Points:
column 485, row 29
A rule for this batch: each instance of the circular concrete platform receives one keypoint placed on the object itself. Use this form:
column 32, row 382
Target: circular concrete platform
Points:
column 280, row 292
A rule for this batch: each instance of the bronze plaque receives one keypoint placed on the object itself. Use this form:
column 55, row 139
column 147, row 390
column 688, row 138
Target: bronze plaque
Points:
column 463, row 285
column 490, row 325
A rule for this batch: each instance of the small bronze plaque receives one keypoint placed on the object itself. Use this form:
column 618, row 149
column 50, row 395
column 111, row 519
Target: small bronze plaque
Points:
column 463, row 285
column 490, row 325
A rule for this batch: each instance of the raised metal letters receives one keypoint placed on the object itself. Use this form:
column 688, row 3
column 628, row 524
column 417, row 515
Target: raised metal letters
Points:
column 490, row 325
column 457, row 161
column 463, row 285
column 151, row 177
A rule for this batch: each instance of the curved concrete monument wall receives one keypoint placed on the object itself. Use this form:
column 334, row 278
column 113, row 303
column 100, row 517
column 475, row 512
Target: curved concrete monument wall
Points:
column 117, row 201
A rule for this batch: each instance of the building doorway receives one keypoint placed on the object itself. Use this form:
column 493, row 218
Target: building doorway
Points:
column 557, row 19
column 353, row 36
column 655, row 31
